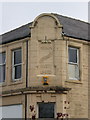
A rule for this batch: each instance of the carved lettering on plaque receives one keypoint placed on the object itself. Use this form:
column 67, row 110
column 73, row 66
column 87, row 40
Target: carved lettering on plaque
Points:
column 46, row 58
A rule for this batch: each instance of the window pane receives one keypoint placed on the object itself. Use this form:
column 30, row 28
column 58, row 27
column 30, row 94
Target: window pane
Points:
column 2, row 73
column 73, row 71
column 18, row 72
column 17, row 56
column 2, row 58
column 46, row 110
column 72, row 55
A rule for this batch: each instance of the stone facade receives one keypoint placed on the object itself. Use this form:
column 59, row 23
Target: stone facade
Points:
column 47, row 55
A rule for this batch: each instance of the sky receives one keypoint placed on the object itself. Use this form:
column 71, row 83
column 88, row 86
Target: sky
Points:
column 17, row 13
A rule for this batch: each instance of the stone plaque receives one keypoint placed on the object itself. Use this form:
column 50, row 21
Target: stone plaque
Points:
column 46, row 58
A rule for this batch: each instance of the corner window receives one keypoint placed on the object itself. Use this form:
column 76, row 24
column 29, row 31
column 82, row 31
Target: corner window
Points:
column 73, row 63
column 17, row 64
column 2, row 67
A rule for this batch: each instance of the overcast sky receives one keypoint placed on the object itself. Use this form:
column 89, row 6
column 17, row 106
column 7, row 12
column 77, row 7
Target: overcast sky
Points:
column 16, row 14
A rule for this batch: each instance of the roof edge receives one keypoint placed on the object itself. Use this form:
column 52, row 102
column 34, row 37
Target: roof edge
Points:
column 46, row 14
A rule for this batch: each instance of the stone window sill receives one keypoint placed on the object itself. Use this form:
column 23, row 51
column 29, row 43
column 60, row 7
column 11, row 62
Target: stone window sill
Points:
column 3, row 84
column 16, row 82
column 74, row 81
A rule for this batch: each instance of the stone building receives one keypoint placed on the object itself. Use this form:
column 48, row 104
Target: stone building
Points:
column 44, row 69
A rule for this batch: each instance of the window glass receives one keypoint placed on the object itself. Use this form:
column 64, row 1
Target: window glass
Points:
column 2, row 66
column 11, row 112
column 17, row 56
column 17, row 64
column 2, row 58
column 18, row 72
column 2, row 73
column 73, row 71
column 72, row 55
column 73, row 63
column 46, row 110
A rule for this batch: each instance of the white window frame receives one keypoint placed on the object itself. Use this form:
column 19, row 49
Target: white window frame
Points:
column 14, row 65
column 3, row 65
column 72, row 63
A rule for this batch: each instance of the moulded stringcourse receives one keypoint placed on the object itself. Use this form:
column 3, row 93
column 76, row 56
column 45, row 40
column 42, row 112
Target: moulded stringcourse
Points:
column 58, row 89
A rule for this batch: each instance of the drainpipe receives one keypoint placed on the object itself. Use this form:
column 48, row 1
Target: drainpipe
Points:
column 25, row 106
column 26, row 63
column 26, row 79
